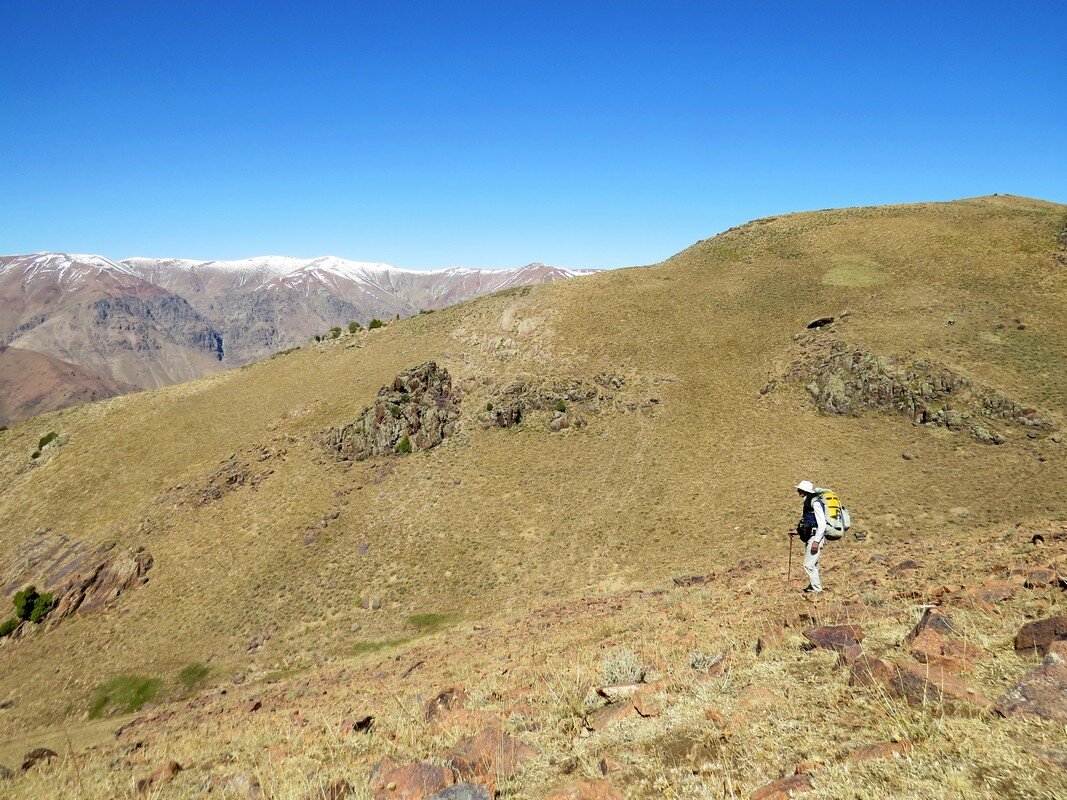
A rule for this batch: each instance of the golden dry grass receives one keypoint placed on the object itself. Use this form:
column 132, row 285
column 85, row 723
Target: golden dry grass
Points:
column 496, row 523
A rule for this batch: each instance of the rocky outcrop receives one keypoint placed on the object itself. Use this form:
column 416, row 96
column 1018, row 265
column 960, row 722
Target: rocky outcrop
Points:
column 1040, row 634
column 843, row 380
column 417, row 411
column 82, row 577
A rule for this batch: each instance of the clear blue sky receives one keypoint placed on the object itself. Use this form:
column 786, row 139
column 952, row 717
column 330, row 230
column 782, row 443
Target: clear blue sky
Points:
column 585, row 134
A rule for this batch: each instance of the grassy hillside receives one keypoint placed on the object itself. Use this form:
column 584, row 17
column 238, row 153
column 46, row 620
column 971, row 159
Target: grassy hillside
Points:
column 684, row 466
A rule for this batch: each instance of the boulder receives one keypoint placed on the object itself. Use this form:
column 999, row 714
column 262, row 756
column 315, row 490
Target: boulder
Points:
column 38, row 756
column 1038, row 635
column 391, row 781
column 1043, row 691
column 489, row 753
column 917, row 684
column 932, row 619
column 442, row 706
column 1039, row 578
column 997, row 591
column 930, row 647
column 783, row 789
column 834, row 637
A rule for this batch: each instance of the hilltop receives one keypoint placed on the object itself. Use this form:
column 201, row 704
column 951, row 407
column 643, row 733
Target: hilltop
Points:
column 611, row 434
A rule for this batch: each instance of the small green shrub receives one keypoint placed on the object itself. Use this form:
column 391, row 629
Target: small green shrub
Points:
column 375, row 323
column 42, row 606
column 123, row 694
column 354, row 327
column 47, row 439
column 3, row 428
column 404, row 445
column 334, row 332
column 8, row 627
column 488, row 406
column 35, row 454
column 561, row 406
column 363, row 648
column 192, row 673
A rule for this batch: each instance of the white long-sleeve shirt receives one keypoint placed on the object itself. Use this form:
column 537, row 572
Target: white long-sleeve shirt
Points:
column 819, row 510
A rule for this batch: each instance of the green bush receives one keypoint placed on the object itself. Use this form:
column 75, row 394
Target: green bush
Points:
column 431, row 623
column 354, row 327
column 404, row 445
column 47, row 439
column 192, row 673
column 561, row 406
column 123, row 694
column 8, row 627
column 24, row 601
column 42, row 607
column 375, row 323
column 334, row 332
column 3, row 428
column 488, row 406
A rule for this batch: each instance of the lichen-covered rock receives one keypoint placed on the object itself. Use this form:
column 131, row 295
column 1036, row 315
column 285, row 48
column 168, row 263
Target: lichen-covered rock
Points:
column 844, row 380
column 417, row 411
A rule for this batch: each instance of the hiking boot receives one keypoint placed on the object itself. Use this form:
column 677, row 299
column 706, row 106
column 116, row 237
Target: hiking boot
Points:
column 809, row 590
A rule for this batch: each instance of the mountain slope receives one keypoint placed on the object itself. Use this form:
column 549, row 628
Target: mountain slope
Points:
column 154, row 322
column 689, row 420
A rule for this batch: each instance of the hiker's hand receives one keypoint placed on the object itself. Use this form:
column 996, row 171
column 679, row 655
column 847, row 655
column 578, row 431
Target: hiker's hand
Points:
column 791, row 532
column 814, row 548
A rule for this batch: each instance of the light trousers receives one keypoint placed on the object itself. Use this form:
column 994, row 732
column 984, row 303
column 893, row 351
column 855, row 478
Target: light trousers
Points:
column 811, row 564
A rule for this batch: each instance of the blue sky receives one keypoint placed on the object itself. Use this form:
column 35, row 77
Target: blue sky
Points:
column 584, row 134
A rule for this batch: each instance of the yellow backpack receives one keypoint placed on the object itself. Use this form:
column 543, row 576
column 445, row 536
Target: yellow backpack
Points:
column 838, row 520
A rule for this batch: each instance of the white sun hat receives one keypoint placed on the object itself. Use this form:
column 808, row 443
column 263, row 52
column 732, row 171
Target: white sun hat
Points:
column 807, row 487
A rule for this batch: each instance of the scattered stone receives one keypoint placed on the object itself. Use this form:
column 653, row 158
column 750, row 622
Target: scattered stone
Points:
column 359, row 724
column 783, row 789
column 904, row 566
column 620, row 690
column 930, row 647
column 609, row 715
column 880, row 750
column 338, row 790
column 39, row 755
column 445, row 707
column 849, row 655
column 588, row 790
column 489, row 753
column 1042, row 692
column 960, row 512
column 391, row 781
column 1039, row 578
column 820, row 322
column 931, row 619
column 462, row 791
column 1040, row 634
column 243, row 784
column 834, row 637
column 907, row 456
column 996, row 591
column 691, row 580
column 371, row 603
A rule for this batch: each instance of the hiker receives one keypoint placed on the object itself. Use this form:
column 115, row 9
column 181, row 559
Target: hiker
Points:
column 812, row 531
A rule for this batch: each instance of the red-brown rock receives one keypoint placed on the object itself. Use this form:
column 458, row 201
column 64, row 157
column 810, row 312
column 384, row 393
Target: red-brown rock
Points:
column 933, row 619
column 489, row 753
column 918, row 684
column 997, row 591
column 880, row 750
column 39, row 755
column 1038, row 635
column 1039, row 578
column 834, row 637
column 783, row 789
column 390, row 781
column 1042, row 692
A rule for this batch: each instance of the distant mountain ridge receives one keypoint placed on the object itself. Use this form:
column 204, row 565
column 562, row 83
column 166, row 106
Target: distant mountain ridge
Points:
column 147, row 322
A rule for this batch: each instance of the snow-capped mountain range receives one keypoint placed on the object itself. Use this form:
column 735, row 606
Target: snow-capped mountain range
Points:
column 148, row 322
